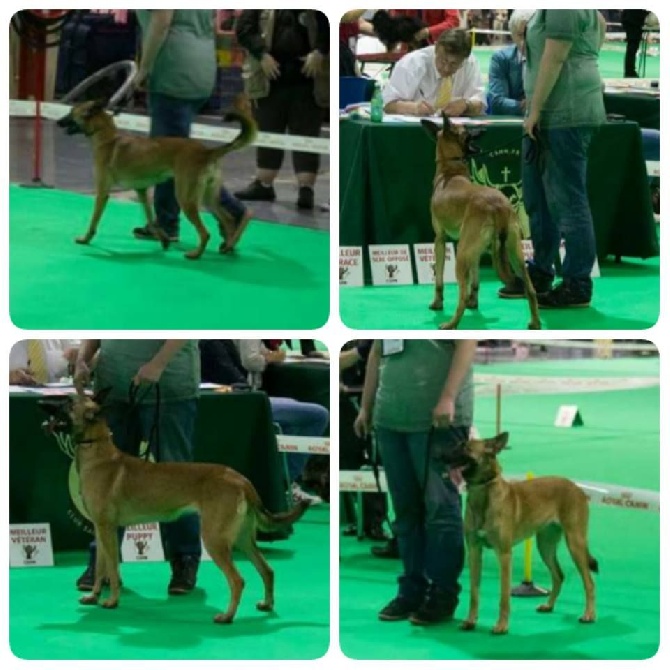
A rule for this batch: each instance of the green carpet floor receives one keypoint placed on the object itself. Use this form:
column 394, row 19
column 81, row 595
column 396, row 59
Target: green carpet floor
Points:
column 626, row 296
column 618, row 444
column 278, row 277
column 46, row 621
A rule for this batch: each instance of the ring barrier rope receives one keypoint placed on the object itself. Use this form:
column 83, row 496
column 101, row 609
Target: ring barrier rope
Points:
column 131, row 70
column 54, row 111
column 604, row 495
column 294, row 444
column 590, row 344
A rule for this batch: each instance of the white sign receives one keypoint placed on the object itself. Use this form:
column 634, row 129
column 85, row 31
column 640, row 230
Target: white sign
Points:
column 351, row 266
column 527, row 246
column 474, row 433
column 297, row 444
column 30, row 545
column 568, row 416
column 391, row 264
column 424, row 257
column 142, row 544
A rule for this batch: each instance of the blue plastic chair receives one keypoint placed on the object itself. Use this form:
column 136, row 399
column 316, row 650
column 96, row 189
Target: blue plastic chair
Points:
column 355, row 89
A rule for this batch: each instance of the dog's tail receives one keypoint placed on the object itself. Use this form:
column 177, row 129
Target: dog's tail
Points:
column 593, row 564
column 267, row 521
column 246, row 136
column 499, row 248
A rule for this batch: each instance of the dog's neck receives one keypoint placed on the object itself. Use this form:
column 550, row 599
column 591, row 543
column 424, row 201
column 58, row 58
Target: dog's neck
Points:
column 448, row 168
column 103, row 129
column 96, row 434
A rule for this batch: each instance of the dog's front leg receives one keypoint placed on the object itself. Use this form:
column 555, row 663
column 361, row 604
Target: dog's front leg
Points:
column 475, row 565
column 100, row 573
column 108, row 544
column 159, row 233
column 438, row 300
column 505, row 559
column 101, row 198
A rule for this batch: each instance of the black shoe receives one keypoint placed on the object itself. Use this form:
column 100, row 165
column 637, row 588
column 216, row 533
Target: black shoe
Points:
column 305, row 198
column 389, row 550
column 513, row 290
column 434, row 610
column 257, row 191
column 184, row 573
column 87, row 580
column 398, row 609
column 146, row 233
column 541, row 283
column 565, row 296
column 656, row 199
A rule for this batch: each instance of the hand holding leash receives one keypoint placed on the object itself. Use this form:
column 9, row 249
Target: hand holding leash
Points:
column 443, row 414
column 531, row 124
column 82, row 377
column 149, row 373
column 269, row 66
column 362, row 424
column 313, row 64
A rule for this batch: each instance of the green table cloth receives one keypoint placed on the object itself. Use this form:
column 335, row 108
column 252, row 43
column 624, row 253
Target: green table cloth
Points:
column 387, row 170
column 645, row 110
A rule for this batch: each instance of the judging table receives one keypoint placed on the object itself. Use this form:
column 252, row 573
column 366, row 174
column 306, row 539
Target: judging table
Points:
column 387, row 170
column 643, row 108
column 234, row 429
column 300, row 378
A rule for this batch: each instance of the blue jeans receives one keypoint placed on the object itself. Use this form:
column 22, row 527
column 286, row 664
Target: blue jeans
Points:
column 176, row 430
column 428, row 517
column 172, row 117
column 298, row 418
column 557, row 203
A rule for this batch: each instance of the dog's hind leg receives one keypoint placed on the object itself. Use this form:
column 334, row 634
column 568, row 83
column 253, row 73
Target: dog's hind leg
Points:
column 100, row 574
column 473, row 298
column 190, row 209
column 575, row 537
column 247, row 544
column 463, row 273
column 515, row 255
column 547, row 541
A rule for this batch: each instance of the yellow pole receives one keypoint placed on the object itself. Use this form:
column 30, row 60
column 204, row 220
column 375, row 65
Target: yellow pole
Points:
column 528, row 553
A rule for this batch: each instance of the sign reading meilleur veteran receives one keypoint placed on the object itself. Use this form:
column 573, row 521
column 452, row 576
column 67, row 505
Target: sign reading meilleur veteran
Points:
column 30, row 545
column 424, row 257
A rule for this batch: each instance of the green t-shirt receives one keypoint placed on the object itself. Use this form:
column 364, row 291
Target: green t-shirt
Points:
column 186, row 63
column 119, row 361
column 410, row 384
column 577, row 97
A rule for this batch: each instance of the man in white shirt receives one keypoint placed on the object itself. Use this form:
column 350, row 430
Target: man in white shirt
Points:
column 440, row 78
column 53, row 359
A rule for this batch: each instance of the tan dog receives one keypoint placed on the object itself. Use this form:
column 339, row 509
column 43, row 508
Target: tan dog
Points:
column 121, row 490
column 141, row 162
column 500, row 514
column 478, row 217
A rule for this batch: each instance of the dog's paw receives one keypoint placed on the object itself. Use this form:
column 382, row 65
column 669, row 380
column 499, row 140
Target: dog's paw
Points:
column 544, row 609
column 223, row 617
column 194, row 254
column 449, row 325
column 467, row 625
column 534, row 326
column 82, row 239
column 110, row 604
column 500, row 629
column 263, row 606
column 472, row 304
column 436, row 305
column 88, row 600
column 589, row 617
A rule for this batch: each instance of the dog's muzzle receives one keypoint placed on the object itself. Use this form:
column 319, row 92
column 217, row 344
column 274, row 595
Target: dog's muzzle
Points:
column 69, row 125
column 59, row 420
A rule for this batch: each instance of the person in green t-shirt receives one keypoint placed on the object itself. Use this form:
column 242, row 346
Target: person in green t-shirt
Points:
column 178, row 65
column 143, row 369
column 564, row 94
column 418, row 396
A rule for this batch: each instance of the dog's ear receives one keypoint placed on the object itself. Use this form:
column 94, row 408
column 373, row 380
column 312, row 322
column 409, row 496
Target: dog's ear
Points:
column 97, row 107
column 100, row 397
column 430, row 127
column 496, row 444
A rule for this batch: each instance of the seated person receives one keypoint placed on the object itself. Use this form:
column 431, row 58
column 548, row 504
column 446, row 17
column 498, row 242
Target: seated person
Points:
column 240, row 361
column 34, row 362
column 506, row 93
column 436, row 20
column 440, row 78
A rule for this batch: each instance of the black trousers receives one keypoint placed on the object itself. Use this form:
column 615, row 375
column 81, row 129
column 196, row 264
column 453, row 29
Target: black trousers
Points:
column 289, row 108
column 632, row 21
